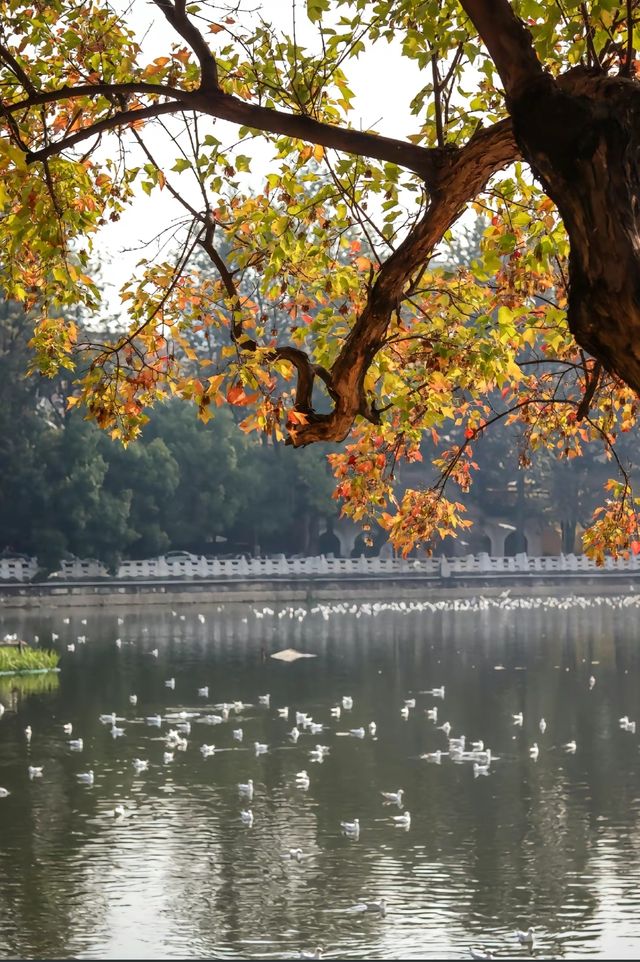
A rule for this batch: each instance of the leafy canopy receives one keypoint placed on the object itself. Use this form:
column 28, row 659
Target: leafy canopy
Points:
column 310, row 280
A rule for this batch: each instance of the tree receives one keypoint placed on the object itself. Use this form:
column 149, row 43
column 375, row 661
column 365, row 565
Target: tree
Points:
column 548, row 315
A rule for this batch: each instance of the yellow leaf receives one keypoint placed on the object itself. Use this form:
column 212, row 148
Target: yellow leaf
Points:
column 318, row 152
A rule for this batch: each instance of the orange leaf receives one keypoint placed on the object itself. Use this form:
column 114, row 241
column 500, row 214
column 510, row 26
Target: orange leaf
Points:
column 216, row 27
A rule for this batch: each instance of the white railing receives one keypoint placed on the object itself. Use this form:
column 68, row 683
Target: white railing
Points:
column 475, row 566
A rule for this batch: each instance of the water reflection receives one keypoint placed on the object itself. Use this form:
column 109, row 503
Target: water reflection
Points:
column 551, row 843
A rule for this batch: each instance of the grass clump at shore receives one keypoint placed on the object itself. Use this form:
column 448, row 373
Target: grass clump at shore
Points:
column 29, row 659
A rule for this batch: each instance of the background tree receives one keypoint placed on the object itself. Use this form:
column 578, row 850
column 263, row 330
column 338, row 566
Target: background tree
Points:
column 398, row 344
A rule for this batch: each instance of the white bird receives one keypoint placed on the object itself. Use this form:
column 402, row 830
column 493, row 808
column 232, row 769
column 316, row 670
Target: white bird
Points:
column 238, row 734
column 296, row 853
column 170, row 683
column 301, row 718
column 133, row 699
column 630, row 727
column 315, row 728
column 4, row 792
column 542, row 726
column 71, row 647
column 283, row 712
column 1, row 709
column 54, row 637
column 570, row 747
column 118, row 642
column 154, row 720
column 335, row 712
column 167, row 757
column 432, row 757
column 525, row 938
column 357, row 732
column 86, row 778
column 184, row 727
column 117, row 732
column 213, row 719
column 534, row 751
column 66, row 621
column 76, row 744
column 347, row 702
column 120, row 621
column 207, row 750
column 83, row 621
column 379, row 907
column 203, row 692
column 119, row 811
column 247, row 817
column 410, row 702
column 28, row 732
column 480, row 954
column 372, row 728
column 446, row 728
column 264, row 700
column 624, row 721
column 140, row 764
column 237, row 706
column 201, row 619
column 480, row 769
column 67, row 728
column 404, row 711
column 395, row 797
column 402, row 821
column 81, row 639
column 351, row 828
column 35, row 772
column 246, row 788
column 154, row 653
column 108, row 719
column 316, row 954
column 303, row 780
column 260, row 748
column 432, row 713
column 436, row 692
column 592, row 682
column 518, row 719
column 294, row 734
column 477, row 746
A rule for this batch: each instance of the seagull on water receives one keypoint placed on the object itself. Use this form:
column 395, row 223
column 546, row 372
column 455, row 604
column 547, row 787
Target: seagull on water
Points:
column 432, row 713
column 246, row 788
column 351, row 828
column 432, row 757
column 402, row 821
column 480, row 954
column 170, row 683
column 67, row 728
column 247, row 817
column 264, row 700
column 302, row 780
column 570, row 747
column 534, row 751
column 379, row 907
column 542, row 726
column 394, row 797
column 316, row 954
column 167, row 757
column 347, row 702
column 283, row 712
column 294, row 734
column 203, row 692
column 133, row 700
column 404, row 711
column 207, row 750
column 480, row 769
column 154, row 720
column 238, row 734
column 357, row 732
column 525, row 938
column 140, row 764
column 35, row 772
column 86, row 778
column 518, row 719
column 28, row 733
column 336, row 712
column 372, row 728
column 260, row 748
column 76, row 744
column 4, row 793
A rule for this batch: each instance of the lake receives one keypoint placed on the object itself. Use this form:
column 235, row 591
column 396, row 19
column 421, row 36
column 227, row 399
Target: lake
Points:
column 552, row 842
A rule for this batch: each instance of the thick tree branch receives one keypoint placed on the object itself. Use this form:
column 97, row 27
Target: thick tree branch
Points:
column 176, row 15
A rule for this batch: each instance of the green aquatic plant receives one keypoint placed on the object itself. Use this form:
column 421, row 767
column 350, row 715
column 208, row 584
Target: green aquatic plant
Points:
column 29, row 659
column 37, row 683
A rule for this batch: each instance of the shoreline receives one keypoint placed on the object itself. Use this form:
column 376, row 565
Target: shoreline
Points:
column 308, row 590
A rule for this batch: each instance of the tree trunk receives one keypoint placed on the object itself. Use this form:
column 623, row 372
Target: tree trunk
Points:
column 582, row 139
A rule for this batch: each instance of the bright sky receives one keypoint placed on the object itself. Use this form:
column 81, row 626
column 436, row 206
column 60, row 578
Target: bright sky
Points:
column 384, row 83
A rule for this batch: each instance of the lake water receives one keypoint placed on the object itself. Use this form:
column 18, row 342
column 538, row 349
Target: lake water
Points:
column 552, row 843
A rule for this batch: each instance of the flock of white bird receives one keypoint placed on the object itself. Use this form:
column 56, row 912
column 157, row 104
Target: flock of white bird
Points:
column 459, row 749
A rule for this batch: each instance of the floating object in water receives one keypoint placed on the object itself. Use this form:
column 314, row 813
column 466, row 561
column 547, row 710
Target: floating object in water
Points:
column 402, row 821
column 35, row 772
column 518, row 719
column 140, row 764
column 76, row 744
column 479, row 769
column 260, row 748
column 170, row 683
column 592, row 682
column 247, row 817
column 207, row 750
column 87, row 778
column 238, row 734
column 290, row 654
column 570, row 747
column 394, row 797
column 351, row 828
column 435, row 757
column 534, row 751
column 542, row 725
column 67, row 728
column 133, row 699
column 203, row 692
column 525, row 938
column 372, row 728
column 246, row 788
column 264, row 700
column 302, row 780
column 347, row 702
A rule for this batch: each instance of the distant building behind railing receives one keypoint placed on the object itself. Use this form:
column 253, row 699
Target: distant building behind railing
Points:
column 192, row 566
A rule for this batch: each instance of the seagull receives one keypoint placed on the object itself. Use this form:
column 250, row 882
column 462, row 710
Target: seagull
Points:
column 1, row 709
column 184, row 727
column 372, row 728
column 154, row 653
column 140, row 764
column 201, row 619
column 108, row 719
column 76, row 744
column 207, row 750
column 302, row 780
column 357, row 732
column 155, row 720
column 133, row 699
column 260, row 748
column 518, row 719
column 395, row 797
column 480, row 954
column 542, row 726
column 402, row 821
column 294, row 734
column 301, row 718
column 28, row 732
column 238, row 734
column 347, row 702
column 247, row 817
column 167, row 757
column 410, row 702
column 525, row 938
column 283, row 712
column 296, row 853
column 213, row 719
column 480, row 769
column 432, row 713
column 246, row 788
column 379, row 907
column 351, row 828
column 119, row 811
column 570, row 747
column 315, row 728
column 264, row 700
column 35, row 772
column 437, row 692
column 120, row 621
column 117, row 732
column 446, row 728
column 404, row 712
column 592, row 682
column 170, row 683
column 203, row 692
column 4, row 792
column 71, row 647
column 432, row 757
column 534, row 751
column 67, row 728
column 86, row 777
column 335, row 712
column 316, row 954
column 118, row 642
